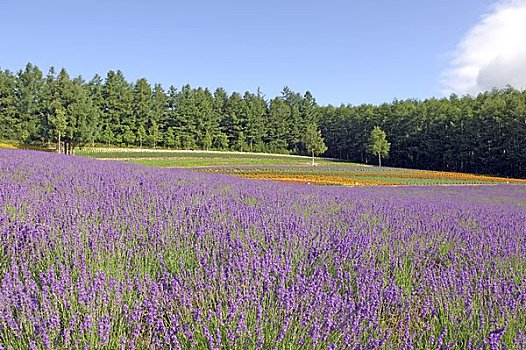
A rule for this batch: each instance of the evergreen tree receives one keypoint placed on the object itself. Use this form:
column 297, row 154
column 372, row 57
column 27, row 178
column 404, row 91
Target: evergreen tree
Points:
column 207, row 140
column 241, row 142
column 220, row 138
column 29, row 104
column 234, row 119
column 95, row 91
column 256, row 110
column 170, row 111
column 159, row 113
column 170, row 139
column 117, row 107
column 296, row 127
column 107, row 135
column 204, row 118
column 8, row 118
column 128, row 136
column 142, row 107
column 141, row 135
column 277, row 125
column 485, row 133
column 154, row 135
column 220, row 141
column 183, row 117
column 82, row 116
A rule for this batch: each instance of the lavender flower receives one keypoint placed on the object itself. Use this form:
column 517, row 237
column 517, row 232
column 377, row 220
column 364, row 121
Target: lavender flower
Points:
column 90, row 258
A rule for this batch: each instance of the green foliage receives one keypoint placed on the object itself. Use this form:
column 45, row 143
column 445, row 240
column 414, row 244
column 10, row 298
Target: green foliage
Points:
column 170, row 139
column 141, row 134
column 378, row 144
column 28, row 89
column 107, row 135
column 314, row 141
column 7, row 106
column 57, row 119
column 117, row 104
column 142, row 108
column 221, row 141
column 234, row 119
column 256, row 110
column 241, row 142
column 276, row 133
column 154, row 135
column 482, row 134
column 273, row 166
column 207, row 140
column 128, row 137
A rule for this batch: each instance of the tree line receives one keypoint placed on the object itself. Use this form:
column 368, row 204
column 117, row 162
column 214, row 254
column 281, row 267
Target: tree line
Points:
column 481, row 134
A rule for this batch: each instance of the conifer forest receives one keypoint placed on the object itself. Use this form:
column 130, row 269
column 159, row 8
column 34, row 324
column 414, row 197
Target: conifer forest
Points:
column 480, row 134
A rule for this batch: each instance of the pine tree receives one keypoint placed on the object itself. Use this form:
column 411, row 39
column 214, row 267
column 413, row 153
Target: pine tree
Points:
column 204, row 118
column 141, row 135
column 82, row 116
column 142, row 107
column 256, row 110
column 276, row 125
column 128, row 136
column 207, row 140
column 234, row 120
column 117, row 107
column 170, row 139
column 154, row 135
column 29, row 104
column 182, row 116
column 95, row 91
column 7, row 106
column 159, row 110
column 107, row 135
column 220, row 138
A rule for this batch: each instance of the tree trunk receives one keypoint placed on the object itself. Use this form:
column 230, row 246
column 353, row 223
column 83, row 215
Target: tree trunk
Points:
column 379, row 160
column 312, row 158
column 58, row 144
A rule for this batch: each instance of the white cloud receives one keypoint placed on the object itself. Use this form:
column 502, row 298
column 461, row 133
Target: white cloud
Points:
column 491, row 54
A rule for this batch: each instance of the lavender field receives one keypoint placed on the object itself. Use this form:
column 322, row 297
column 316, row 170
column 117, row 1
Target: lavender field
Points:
column 106, row 255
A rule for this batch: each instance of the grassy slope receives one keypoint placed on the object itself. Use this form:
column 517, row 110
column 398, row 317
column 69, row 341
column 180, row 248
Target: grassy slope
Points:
column 290, row 168
column 183, row 158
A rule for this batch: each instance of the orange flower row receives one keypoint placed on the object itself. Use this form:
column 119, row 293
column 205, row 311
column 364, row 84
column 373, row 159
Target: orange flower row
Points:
column 317, row 180
column 416, row 174
column 364, row 178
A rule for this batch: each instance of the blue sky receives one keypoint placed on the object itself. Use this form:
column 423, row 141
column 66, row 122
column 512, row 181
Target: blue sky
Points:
column 342, row 51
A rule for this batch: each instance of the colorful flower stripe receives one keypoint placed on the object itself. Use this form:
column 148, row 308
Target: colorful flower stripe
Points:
column 351, row 177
